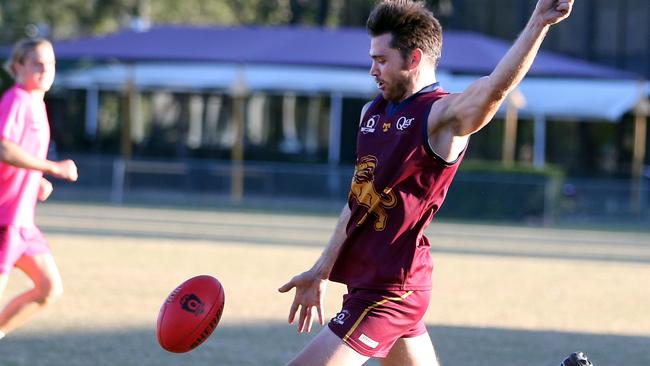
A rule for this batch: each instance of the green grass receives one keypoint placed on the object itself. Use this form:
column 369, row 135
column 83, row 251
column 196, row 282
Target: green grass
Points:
column 503, row 295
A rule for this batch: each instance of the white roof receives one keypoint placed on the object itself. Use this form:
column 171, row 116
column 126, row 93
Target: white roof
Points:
column 193, row 76
column 552, row 97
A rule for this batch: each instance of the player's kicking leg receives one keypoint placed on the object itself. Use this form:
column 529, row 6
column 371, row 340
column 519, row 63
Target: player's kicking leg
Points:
column 327, row 349
column 415, row 351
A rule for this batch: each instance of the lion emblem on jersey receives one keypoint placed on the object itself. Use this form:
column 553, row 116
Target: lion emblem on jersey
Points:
column 363, row 191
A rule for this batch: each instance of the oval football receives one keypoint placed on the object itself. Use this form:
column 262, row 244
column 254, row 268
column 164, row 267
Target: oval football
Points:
column 190, row 314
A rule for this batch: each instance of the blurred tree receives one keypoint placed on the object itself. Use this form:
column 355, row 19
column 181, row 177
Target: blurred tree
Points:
column 220, row 11
column 354, row 12
column 63, row 19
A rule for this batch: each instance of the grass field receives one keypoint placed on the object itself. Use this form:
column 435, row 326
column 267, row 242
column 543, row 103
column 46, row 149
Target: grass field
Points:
column 503, row 295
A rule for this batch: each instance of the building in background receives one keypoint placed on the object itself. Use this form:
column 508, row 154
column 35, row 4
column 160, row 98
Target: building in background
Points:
column 169, row 92
column 182, row 94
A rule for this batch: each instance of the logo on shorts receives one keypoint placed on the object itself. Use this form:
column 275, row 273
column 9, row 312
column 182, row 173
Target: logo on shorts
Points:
column 341, row 317
column 368, row 341
column 191, row 303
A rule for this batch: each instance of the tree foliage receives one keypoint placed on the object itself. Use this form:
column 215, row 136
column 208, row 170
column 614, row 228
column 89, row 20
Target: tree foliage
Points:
column 64, row 19
column 61, row 18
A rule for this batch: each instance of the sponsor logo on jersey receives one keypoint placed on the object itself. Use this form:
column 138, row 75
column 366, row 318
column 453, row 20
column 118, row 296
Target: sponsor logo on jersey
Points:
column 369, row 125
column 404, row 123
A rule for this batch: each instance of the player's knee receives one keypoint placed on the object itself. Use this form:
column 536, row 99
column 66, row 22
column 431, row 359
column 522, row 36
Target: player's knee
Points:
column 48, row 293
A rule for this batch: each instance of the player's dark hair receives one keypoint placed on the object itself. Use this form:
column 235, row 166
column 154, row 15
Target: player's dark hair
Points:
column 411, row 24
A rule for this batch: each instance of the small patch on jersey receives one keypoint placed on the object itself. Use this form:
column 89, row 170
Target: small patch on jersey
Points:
column 369, row 125
column 368, row 341
column 341, row 317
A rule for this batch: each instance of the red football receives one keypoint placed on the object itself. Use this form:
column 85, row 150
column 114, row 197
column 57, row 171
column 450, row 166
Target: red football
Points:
column 190, row 314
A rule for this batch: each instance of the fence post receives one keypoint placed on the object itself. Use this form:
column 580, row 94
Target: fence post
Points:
column 550, row 199
column 641, row 113
column 117, row 187
column 238, row 90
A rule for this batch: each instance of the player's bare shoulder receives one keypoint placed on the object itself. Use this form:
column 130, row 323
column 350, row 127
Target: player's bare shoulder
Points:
column 443, row 137
column 440, row 115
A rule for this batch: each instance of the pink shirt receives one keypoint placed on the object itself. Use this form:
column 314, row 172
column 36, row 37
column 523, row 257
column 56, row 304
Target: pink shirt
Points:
column 23, row 120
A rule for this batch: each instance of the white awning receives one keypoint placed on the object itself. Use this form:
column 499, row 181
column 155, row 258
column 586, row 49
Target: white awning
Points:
column 553, row 98
column 197, row 76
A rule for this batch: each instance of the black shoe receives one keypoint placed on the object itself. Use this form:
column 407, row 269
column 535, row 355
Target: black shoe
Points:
column 576, row 359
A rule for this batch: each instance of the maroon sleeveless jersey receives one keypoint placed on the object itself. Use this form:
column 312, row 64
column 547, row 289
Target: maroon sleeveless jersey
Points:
column 399, row 184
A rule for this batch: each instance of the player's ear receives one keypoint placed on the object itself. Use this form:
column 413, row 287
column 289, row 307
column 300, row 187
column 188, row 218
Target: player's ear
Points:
column 415, row 58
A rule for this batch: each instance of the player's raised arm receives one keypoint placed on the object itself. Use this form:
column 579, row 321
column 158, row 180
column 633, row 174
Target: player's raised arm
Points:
column 465, row 113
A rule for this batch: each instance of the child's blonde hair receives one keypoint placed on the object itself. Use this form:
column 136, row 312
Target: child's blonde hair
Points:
column 20, row 51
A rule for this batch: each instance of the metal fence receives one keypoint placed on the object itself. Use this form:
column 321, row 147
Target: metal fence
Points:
column 474, row 196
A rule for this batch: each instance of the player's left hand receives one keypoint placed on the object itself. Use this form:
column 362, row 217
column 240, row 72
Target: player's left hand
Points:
column 44, row 189
column 553, row 11
column 310, row 292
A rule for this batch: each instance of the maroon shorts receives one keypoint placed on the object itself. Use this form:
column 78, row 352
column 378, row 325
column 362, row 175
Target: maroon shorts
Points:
column 370, row 321
column 16, row 242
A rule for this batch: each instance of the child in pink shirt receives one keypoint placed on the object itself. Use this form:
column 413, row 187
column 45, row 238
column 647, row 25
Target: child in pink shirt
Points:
column 24, row 140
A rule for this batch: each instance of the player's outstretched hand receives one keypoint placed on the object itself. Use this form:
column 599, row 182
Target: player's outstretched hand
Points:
column 310, row 292
column 553, row 11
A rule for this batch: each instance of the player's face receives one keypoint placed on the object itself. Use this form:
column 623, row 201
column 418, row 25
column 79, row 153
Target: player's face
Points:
column 37, row 69
column 389, row 68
